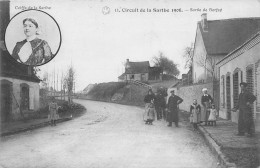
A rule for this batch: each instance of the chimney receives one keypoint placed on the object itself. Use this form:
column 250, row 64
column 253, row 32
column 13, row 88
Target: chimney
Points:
column 204, row 22
column 127, row 65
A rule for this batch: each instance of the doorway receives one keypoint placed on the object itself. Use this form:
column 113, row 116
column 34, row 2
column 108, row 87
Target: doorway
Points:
column 6, row 100
column 24, row 96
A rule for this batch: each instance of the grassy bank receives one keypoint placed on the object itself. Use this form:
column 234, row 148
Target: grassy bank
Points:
column 117, row 92
column 105, row 91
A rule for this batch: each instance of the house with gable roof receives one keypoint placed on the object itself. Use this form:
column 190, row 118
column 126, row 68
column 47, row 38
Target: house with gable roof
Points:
column 141, row 71
column 214, row 40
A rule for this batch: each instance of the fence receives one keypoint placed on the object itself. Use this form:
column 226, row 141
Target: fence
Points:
column 138, row 83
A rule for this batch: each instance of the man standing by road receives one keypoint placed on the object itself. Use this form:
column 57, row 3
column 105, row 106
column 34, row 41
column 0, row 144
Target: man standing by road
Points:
column 245, row 119
column 173, row 109
column 159, row 104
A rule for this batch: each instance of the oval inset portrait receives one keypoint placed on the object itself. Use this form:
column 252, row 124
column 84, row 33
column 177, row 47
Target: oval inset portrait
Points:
column 33, row 37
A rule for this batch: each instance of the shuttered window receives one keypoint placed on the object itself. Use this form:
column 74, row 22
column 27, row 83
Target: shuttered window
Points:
column 235, row 89
column 223, row 91
column 257, row 87
column 249, row 80
column 250, row 83
column 228, row 94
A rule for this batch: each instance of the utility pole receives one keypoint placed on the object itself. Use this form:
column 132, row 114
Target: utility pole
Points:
column 130, row 91
column 74, row 88
column 54, row 81
column 61, row 85
column 58, row 84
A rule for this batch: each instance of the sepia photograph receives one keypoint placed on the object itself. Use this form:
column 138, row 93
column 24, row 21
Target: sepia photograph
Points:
column 32, row 27
column 130, row 84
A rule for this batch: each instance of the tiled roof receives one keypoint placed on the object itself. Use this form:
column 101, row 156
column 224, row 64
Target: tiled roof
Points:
column 223, row 36
column 254, row 40
column 122, row 77
column 11, row 68
column 138, row 67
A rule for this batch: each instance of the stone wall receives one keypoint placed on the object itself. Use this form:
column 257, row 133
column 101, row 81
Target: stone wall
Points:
column 188, row 93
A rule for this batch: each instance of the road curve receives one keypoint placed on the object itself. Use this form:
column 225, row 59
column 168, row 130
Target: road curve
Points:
column 107, row 136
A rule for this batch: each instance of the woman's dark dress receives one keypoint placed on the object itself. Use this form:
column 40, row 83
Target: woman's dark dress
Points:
column 206, row 101
column 41, row 52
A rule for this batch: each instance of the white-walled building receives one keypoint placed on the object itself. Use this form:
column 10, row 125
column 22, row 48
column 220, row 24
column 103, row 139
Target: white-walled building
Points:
column 215, row 39
column 241, row 65
column 19, row 86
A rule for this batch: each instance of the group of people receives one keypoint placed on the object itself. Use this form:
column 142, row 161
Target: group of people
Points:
column 207, row 113
column 156, row 104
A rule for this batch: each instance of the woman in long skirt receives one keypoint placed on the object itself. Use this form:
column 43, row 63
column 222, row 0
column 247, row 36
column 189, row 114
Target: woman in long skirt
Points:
column 195, row 110
column 213, row 115
column 149, row 114
column 206, row 101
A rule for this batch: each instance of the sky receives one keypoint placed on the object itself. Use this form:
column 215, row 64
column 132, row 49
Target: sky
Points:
column 97, row 43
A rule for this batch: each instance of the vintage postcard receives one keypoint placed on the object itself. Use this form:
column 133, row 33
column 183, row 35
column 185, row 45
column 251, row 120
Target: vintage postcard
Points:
column 128, row 83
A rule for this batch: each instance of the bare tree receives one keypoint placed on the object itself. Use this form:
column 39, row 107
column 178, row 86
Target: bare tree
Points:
column 209, row 64
column 69, row 82
column 46, row 80
column 188, row 55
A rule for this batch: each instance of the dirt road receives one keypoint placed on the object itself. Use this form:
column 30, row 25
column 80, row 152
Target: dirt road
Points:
column 109, row 136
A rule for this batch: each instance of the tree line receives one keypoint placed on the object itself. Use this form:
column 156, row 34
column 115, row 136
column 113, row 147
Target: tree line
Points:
column 60, row 83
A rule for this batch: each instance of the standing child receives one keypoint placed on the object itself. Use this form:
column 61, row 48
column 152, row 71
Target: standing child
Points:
column 213, row 116
column 53, row 108
column 195, row 110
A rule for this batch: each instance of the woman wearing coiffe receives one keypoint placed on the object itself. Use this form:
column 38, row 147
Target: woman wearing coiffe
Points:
column 149, row 114
column 32, row 50
column 206, row 101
